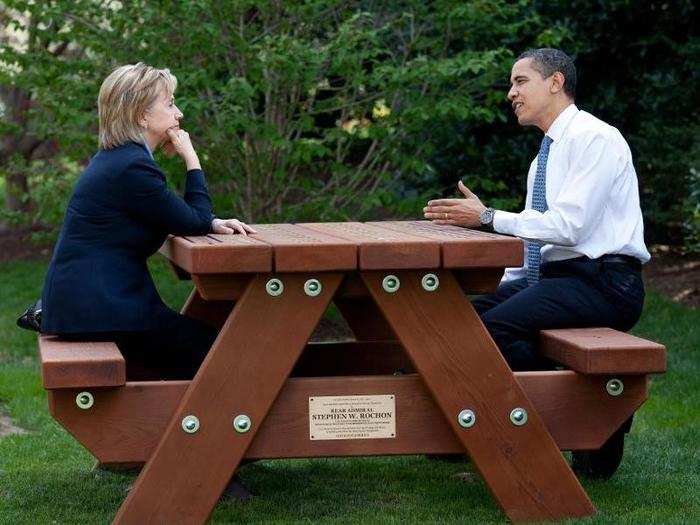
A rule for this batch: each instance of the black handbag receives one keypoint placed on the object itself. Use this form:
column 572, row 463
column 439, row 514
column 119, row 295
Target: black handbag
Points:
column 31, row 318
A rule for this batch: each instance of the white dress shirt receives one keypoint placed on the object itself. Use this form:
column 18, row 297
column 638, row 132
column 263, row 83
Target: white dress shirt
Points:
column 592, row 196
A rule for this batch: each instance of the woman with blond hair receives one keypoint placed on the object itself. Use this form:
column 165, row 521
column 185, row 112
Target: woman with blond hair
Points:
column 98, row 286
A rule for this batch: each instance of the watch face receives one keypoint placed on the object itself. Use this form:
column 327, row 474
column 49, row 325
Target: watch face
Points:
column 486, row 216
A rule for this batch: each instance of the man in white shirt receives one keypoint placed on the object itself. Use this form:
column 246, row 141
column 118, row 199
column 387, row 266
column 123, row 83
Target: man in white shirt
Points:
column 582, row 223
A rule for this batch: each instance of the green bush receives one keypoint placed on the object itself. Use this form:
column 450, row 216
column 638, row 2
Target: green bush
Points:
column 316, row 110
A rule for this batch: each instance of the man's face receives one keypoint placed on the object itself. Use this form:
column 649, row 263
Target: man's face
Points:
column 529, row 93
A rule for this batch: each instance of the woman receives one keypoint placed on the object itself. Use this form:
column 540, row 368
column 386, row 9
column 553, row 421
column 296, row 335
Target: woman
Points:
column 98, row 286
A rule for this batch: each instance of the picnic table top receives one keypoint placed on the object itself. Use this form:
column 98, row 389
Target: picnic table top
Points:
column 344, row 246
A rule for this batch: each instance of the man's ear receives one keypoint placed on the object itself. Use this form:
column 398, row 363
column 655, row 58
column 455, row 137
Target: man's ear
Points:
column 557, row 82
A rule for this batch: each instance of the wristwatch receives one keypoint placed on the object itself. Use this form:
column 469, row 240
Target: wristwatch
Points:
column 486, row 218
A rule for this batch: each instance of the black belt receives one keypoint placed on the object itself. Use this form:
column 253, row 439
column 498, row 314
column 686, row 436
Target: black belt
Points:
column 615, row 258
column 621, row 259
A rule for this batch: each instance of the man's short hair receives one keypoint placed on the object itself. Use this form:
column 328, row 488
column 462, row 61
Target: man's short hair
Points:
column 547, row 61
column 125, row 96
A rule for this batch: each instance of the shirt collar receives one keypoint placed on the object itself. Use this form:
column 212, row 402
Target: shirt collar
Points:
column 556, row 130
column 150, row 153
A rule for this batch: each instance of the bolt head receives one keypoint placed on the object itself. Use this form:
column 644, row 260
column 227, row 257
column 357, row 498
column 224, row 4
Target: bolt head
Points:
column 518, row 416
column 84, row 400
column 313, row 287
column 430, row 282
column 614, row 387
column 466, row 418
column 242, row 423
column 274, row 287
column 391, row 283
column 190, row 424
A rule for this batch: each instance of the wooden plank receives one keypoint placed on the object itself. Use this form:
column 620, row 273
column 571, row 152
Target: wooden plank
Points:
column 380, row 248
column 218, row 254
column 603, row 351
column 125, row 424
column 222, row 286
column 213, row 313
column 353, row 358
column 71, row 364
column 465, row 248
column 300, row 250
column 472, row 281
column 242, row 374
column 462, row 368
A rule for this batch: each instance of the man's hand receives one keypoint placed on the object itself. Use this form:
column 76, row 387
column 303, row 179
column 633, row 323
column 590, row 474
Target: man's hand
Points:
column 460, row 212
column 227, row 226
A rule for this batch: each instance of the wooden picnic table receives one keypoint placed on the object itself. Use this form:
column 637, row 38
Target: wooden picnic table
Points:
column 402, row 287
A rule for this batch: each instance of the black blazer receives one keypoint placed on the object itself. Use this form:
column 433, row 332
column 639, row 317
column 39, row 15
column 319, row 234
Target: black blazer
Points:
column 119, row 214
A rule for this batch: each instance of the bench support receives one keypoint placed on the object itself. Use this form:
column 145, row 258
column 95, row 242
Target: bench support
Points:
column 521, row 465
column 242, row 374
column 125, row 424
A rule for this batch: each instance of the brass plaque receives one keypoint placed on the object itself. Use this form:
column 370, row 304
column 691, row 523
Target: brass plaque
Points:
column 352, row 417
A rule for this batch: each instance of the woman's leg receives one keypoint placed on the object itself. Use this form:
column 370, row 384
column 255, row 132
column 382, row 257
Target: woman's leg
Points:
column 174, row 350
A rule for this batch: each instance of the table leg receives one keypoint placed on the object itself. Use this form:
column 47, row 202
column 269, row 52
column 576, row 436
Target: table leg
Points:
column 242, row 374
column 463, row 369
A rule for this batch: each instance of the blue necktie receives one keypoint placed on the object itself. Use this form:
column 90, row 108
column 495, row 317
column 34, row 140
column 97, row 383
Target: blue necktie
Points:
column 539, row 203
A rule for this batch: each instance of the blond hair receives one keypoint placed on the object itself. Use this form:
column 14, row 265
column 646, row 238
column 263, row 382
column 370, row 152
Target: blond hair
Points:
column 125, row 96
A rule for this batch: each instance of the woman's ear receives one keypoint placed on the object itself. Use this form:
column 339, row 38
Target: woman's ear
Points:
column 143, row 121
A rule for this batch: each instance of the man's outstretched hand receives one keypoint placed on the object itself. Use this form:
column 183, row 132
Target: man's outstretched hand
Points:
column 460, row 212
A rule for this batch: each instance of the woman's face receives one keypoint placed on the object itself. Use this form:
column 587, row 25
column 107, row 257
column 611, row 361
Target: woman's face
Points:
column 160, row 117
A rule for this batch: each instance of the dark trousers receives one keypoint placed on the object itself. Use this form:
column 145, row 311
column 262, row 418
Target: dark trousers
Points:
column 173, row 350
column 577, row 293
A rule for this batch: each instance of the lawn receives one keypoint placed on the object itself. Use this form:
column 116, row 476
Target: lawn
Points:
column 47, row 477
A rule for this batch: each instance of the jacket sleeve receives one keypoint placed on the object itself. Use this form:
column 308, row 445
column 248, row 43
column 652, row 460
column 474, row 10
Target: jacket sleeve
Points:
column 148, row 198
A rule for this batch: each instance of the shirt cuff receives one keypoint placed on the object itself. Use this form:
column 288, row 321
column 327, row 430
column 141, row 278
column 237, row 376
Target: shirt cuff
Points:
column 504, row 222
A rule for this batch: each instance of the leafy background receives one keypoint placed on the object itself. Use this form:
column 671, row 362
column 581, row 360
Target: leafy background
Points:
column 329, row 110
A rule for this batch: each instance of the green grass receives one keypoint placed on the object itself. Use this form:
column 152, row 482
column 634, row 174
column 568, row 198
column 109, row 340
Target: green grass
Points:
column 47, row 477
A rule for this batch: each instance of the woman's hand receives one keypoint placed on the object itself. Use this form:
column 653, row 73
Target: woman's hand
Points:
column 181, row 144
column 227, row 226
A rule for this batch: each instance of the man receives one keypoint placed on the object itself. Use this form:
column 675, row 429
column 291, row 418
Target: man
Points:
column 582, row 224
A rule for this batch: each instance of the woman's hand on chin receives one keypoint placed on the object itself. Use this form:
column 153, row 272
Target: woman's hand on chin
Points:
column 228, row 226
column 181, row 144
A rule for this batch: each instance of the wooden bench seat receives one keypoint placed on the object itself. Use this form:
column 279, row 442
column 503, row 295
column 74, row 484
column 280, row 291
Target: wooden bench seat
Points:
column 71, row 364
column 78, row 364
column 125, row 425
column 603, row 351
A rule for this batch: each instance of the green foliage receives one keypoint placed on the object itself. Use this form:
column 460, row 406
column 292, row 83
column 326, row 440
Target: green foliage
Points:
column 50, row 183
column 324, row 110
column 302, row 110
